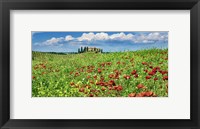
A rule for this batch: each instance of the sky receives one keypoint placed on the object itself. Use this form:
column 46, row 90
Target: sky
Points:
column 108, row 41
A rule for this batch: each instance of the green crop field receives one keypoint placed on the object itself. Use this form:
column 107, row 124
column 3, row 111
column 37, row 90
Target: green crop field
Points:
column 142, row 73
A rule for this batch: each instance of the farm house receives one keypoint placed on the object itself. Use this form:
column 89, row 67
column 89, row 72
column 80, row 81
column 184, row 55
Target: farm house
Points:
column 90, row 49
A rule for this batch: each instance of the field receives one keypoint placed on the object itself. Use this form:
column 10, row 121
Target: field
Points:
column 142, row 73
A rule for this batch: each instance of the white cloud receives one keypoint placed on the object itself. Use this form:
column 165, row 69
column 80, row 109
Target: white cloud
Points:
column 154, row 36
column 86, row 37
column 91, row 36
column 130, row 36
column 141, row 38
column 69, row 38
column 150, row 38
column 121, row 36
column 53, row 41
column 102, row 36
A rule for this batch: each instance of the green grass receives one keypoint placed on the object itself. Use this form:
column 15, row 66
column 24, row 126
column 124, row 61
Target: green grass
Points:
column 90, row 74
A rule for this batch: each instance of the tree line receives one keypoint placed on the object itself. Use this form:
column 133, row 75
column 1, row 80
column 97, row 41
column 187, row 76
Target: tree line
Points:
column 89, row 49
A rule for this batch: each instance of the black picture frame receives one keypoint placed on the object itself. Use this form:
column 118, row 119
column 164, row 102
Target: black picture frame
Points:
column 7, row 5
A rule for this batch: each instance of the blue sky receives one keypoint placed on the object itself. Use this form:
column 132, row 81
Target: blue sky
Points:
column 108, row 41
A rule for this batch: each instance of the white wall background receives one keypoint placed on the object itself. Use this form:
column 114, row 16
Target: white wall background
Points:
column 176, row 106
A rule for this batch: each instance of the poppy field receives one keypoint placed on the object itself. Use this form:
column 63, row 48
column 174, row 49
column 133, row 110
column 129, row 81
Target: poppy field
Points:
column 142, row 73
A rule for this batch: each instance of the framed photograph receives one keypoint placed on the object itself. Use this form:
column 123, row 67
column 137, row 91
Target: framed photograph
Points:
column 99, row 64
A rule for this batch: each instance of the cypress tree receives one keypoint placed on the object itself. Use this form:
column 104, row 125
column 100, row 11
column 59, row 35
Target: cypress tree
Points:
column 81, row 49
column 84, row 49
column 78, row 50
column 87, row 49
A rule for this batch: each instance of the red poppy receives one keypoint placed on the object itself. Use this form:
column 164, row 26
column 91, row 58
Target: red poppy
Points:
column 119, row 88
column 111, row 83
column 103, row 64
column 157, row 67
column 102, row 83
column 77, row 74
column 97, row 83
column 144, row 63
column 95, row 77
column 115, row 87
column 151, row 73
column 163, row 72
column 110, row 88
column 43, row 66
column 91, row 95
column 145, row 94
column 99, row 70
column 116, row 71
column 140, row 86
column 148, row 93
column 111, row 75
column 116, row 76
column 103, row 88
column 165, row 78
column 127, row 77
column 81, row 90
column 155, row 79
column 142, row 94
column 132, row 95
column 133, row 72
column 154, row 70
column 108, row 63
column 148, row 77
column 136, row 76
